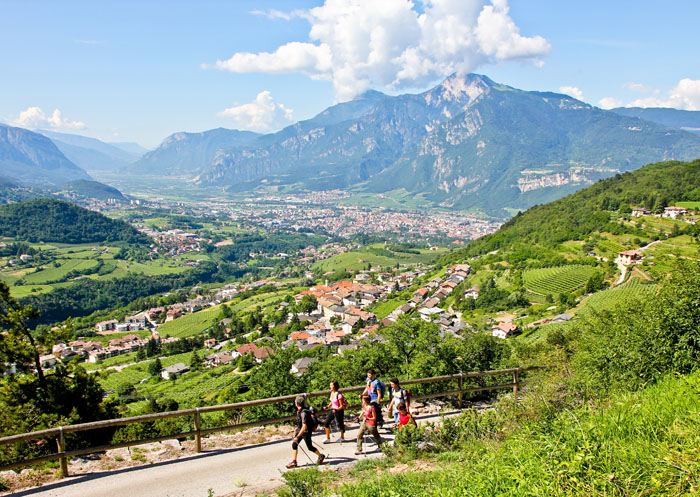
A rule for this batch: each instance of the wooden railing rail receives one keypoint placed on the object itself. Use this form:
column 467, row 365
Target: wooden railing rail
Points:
column 59, row 433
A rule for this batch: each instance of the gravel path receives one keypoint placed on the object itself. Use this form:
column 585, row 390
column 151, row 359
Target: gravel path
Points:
column 240, row 471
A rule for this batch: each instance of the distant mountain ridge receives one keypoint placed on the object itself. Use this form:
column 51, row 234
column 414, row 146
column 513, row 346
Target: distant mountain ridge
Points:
column 468, row 143
column 33, row 159
column 687, row 120
column 188, row 153
column 91, row 154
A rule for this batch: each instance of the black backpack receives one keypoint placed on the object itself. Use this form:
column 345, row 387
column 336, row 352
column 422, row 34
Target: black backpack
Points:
column 311, row 418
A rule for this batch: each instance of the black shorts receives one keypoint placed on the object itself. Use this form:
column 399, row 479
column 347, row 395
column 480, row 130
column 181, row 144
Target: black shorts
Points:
column 307, row 438
column 339, row 416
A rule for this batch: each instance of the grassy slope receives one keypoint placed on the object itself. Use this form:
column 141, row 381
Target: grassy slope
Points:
column 637, row 444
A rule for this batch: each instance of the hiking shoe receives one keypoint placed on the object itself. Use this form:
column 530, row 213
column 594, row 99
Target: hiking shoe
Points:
column 327, row 441
column 291, row 465
column 358, row 452
column 321, row 458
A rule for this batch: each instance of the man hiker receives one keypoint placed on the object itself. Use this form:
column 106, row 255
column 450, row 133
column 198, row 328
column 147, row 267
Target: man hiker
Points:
column 376, row 390
column 368, row 422
column 398, row 396
column 305, row 427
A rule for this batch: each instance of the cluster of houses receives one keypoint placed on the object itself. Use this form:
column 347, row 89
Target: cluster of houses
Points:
column 22, row 259
column 93, row 351
column 669, row 212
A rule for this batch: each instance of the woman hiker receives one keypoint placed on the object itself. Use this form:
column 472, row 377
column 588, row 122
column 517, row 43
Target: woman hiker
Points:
column 337, row 404
column 305, row 428
column 368, row 419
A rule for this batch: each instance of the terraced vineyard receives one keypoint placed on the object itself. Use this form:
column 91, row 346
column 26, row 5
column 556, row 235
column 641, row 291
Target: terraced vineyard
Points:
column 610, row 246
column 556, row 280
column 609, row 299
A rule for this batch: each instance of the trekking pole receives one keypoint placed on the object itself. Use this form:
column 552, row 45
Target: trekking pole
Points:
column 307, row 455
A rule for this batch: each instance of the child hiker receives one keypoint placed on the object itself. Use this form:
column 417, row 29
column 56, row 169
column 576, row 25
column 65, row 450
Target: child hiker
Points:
column 405, row 417
column 368, row 418
column 305, row 427
column 337, row 404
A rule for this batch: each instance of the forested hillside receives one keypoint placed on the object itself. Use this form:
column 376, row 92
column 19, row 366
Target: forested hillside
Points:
column 574, row 217
column 50, row 220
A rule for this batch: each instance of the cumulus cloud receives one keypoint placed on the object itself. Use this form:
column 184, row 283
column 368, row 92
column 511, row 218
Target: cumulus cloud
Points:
column 685, row 96
column 262, row 114
column 358, row 44
column 572, row 91
column 34, row 117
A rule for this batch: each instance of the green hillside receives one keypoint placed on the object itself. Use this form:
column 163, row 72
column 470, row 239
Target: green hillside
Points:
column 51, row 220
column 578, row 215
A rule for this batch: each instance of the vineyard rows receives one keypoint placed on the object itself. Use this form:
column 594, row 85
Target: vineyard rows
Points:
column 609, row 299
column 556, row 280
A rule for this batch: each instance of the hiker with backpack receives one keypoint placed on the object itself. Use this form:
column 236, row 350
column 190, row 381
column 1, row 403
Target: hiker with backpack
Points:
column 398, row 395
column 376, row 390
column 337, row 404
column 368, row 422
column 306, row 424
column 405, row 417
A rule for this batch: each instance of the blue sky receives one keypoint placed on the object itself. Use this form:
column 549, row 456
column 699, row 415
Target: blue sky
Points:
column 141, row 70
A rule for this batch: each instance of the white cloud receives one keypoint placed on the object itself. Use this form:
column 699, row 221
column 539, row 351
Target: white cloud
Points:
column 262, row 114
column 34, row 117
column 358, row 44
column 638, row 87
column 685, row 96
column 278, row 14
column 609, row 103
column 572, row 91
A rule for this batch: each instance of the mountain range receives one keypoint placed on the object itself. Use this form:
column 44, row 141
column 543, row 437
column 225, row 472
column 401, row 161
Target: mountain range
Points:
column 92, row 154
column 31, row 158
column 468, row 143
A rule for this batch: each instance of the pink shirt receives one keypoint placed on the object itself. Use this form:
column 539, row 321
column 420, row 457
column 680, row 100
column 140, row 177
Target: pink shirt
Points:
column 335, row 402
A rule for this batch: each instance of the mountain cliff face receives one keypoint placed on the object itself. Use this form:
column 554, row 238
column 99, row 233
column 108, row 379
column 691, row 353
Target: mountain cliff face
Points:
column 348, row 143
column 186, row 154
column 33, row 159
column 513, row 149
column 467, row 143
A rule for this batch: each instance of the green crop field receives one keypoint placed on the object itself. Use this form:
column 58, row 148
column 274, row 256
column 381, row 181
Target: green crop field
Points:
column 189, row 324
column 556, row 280
column 689, row 205
column 610, row 246
column 609, row 299
column 376, row 255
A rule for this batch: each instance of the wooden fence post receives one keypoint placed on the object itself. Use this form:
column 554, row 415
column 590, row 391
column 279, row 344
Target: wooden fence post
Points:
column 460, row 390
column 62, row 450
column 515, row 382
column 197, row 428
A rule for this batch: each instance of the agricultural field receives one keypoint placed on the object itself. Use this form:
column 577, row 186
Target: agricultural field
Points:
column 689, row 205
column 68, row 263
column 610, row 246
column 680, row 246
column 375, row 255
column 189, row 324
column 609, row 299
column 556, row 280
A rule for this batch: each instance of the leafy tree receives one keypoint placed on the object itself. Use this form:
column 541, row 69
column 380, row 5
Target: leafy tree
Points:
column 408, row 336
column 18, row 345
column 155, row 367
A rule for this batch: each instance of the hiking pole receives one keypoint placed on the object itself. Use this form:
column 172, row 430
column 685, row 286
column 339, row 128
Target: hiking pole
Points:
column 307, row 455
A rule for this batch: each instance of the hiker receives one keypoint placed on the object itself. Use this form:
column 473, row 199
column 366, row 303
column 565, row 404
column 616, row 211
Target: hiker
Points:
column 306, row 423
column 405, row 417
column 376, row 390
column 398, row 395
column 368, row 420
column 337, row 404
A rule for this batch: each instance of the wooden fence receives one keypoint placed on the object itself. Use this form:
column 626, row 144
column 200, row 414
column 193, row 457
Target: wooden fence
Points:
column 59, row 434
